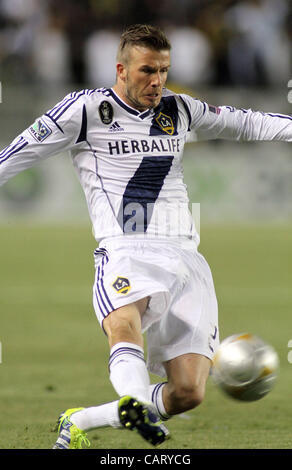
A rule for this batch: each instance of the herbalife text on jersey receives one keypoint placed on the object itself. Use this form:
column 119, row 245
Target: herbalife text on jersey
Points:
column 144, row 146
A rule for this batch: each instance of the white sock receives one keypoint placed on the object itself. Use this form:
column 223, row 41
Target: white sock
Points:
column 128, row 371
column 97, row 416
column 107, row 414
column 129, row 376
column 156, row 398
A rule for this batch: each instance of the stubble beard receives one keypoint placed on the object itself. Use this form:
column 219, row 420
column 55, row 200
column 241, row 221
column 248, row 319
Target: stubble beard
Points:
column 135, row 103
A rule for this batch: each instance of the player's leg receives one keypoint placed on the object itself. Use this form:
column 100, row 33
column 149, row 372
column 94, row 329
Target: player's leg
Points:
column 124, row 323
column 186, row 382
column 128, row 372
column 130, row 378
column 190, row 329
column 185, row 386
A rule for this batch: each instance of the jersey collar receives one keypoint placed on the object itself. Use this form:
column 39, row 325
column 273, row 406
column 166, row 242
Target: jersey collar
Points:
column 128, row 108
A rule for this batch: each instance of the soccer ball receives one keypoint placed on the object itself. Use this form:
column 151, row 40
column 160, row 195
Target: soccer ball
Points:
column 245, row 367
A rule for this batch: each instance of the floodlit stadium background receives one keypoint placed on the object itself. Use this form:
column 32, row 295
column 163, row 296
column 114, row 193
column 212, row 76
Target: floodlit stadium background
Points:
column 228, row 52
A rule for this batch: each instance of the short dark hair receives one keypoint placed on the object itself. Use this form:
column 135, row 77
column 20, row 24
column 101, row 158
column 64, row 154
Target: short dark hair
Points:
column 143, row 35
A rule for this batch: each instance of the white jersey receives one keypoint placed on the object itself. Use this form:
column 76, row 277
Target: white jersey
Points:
column 130, row 163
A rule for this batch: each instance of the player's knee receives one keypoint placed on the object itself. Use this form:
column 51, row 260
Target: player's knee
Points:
column 193, row 396
column 123, row 324
column 187, row 396
column 115, row 323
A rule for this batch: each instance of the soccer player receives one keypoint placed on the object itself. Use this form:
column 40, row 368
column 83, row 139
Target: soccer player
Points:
column 126, row 144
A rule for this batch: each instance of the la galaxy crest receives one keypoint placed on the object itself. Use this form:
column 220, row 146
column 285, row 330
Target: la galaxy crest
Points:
column 122, row 285
column 106, row 112
column 165, row 123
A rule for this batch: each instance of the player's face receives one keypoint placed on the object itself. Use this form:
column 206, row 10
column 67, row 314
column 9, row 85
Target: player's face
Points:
column 144, row 77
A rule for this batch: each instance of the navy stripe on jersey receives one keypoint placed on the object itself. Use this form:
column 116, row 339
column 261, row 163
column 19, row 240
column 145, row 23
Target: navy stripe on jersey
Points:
column 167, row 108
column 128, row 108
column 57, row 111
column 104, row 91
column 55, row 122
column 83, row 131
column 203, row 103
column 141, row 193
column 12, row 149
column 282, row 116
column 188, row 112
column 245, row 111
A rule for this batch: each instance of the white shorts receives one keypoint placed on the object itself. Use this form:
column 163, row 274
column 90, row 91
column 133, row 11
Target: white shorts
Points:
column 182, row 315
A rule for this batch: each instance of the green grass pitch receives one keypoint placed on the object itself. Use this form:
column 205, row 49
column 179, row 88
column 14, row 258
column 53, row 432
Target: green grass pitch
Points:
column 54, row 355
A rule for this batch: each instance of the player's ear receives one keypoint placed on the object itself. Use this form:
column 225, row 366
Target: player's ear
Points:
column 121, row 71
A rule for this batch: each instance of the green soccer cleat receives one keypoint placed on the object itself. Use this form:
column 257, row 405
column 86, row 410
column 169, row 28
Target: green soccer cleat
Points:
column 134, row 414
column 70, row 437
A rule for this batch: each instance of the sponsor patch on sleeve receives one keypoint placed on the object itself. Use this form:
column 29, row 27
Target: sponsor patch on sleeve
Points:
column 214, row 109
column 40, row 130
